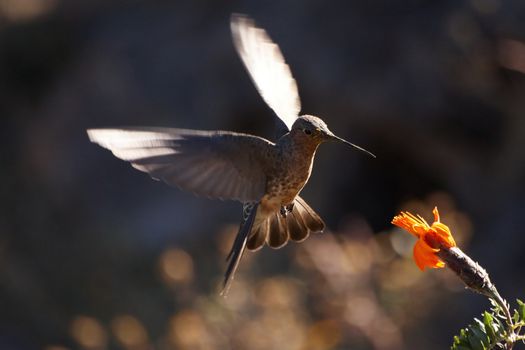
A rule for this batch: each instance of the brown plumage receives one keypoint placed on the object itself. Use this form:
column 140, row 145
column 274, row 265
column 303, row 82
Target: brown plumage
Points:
column 265, row 176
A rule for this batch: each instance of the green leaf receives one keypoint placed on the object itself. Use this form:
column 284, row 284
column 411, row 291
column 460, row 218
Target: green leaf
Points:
column 521, row 309
column 475, row 342
column 459, row 341
column 516, row 316
column 477, row 337
column 462, row 338
column 480, row 325
column 482, row 334
column 488, row 321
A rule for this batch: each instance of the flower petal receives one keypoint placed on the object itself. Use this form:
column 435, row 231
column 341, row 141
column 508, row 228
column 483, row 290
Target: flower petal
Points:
column 425, row 256
column 443, row 235
column 436, row 214
column 413, row 224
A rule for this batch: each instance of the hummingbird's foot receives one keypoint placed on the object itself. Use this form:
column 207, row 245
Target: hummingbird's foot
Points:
column 286, row 209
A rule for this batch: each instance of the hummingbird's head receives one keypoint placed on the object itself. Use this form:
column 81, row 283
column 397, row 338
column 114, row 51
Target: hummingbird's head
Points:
column 315, row 130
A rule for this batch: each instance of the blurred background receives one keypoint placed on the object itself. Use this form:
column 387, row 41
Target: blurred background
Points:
column 96, row 255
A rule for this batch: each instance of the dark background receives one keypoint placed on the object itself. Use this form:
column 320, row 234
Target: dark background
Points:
column 95, row 255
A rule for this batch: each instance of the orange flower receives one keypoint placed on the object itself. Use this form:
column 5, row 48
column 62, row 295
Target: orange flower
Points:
column 430, row 239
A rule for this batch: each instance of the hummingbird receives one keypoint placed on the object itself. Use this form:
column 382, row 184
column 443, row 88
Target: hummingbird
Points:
column 266, row 177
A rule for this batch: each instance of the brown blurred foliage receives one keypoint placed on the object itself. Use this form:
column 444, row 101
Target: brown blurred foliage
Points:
column 95, row 255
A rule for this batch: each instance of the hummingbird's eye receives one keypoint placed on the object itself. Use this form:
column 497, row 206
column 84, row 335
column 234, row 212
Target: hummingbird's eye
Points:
column 307, row 131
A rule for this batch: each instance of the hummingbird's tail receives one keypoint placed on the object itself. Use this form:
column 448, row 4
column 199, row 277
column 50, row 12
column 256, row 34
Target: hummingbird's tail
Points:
column 277, row 229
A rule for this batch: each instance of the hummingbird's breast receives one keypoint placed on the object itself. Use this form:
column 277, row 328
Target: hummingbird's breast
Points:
column 291, row 170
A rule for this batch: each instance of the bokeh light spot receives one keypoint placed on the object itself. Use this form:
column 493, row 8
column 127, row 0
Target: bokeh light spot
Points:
column 176, row 266
column 188, row 330
column 88, row 332
column 129, row 332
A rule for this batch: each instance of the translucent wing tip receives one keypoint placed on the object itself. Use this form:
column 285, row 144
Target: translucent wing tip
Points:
column 267, row 68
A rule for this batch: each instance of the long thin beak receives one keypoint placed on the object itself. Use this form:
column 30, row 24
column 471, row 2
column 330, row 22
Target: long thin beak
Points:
column 338, row 139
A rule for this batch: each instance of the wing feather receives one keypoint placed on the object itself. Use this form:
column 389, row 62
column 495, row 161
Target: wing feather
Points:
column 216, row 164
column 267, row 68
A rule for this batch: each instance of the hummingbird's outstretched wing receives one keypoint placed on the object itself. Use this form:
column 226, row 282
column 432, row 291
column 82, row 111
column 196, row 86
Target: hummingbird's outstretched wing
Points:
column 216, row 164
column 265, row 63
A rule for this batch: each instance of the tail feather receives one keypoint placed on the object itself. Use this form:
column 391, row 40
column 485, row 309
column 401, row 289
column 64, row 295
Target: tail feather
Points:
column 258, row 236
column 277, row 230
column 310, row 217
column 238, row 248
column 296, row 226
column 278, row 235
